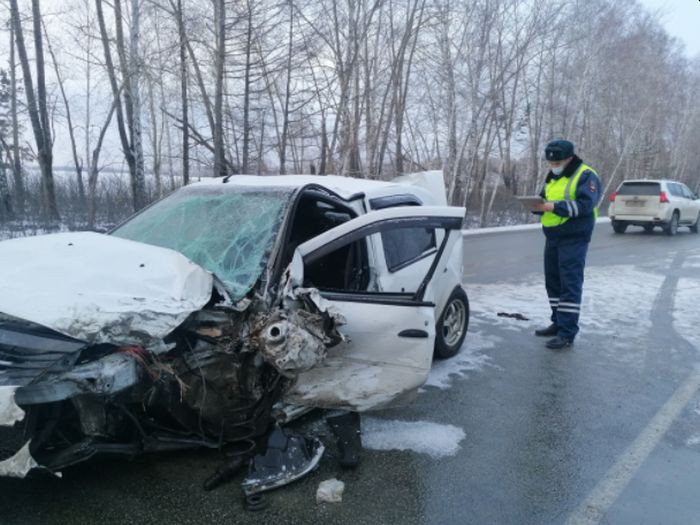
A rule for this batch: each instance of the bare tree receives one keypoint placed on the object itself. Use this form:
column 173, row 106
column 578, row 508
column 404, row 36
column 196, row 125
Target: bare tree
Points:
column 220, row 59
column 36, row 104
column 129, row 136
column 77, row 161
column 14, row 121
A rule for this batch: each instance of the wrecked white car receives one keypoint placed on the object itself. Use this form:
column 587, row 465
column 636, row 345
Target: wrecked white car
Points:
column 185, row 325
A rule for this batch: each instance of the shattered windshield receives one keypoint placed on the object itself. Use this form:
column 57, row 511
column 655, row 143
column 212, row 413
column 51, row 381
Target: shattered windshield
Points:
column 230, row 233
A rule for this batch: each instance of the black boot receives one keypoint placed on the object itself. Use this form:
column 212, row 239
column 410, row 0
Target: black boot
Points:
column 551, row 330
column 559, row 343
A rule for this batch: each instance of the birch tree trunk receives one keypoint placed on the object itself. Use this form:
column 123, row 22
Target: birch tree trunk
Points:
column 134, row 74
column 218, row 116
column 77, row 162
column 37, row 106
column 182, row 37
column 16, row 159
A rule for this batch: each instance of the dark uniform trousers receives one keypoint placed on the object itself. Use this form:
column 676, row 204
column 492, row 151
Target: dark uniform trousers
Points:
column 564, row 260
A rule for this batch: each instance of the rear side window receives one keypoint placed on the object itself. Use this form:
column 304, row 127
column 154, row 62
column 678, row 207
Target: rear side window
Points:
column 676, row 189
column 640, row 188
column 405, row 245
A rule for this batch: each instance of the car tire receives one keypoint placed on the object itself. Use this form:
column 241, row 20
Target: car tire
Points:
column 619, row 226
column 694, row 227
column 451, row 327
column 648, row 228
column 671, row 227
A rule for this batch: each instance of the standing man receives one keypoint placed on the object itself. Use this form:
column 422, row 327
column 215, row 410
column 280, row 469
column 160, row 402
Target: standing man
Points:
column 571, row 193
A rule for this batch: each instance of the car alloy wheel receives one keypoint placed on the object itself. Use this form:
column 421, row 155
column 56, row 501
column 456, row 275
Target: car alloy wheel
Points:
column 452, row 325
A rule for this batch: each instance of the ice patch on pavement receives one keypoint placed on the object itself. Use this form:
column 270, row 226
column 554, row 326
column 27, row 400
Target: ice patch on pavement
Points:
column 685, row 310
column 693, row 440
column 619, row 298
column 424, row 437
column 615, row 298
column 692, row 261
column 470, row 358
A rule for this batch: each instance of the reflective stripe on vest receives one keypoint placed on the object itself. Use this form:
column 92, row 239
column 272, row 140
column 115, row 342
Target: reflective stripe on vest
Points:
column 563, row 189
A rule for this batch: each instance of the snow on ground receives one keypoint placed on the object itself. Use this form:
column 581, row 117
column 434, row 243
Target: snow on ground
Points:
column 693, row 440
column 616, row 300
column 692, row 262
column 513, row 228
column 613, row 298
column 470, row 358
column 425, row 437
column 18, row 230
column 685, row 310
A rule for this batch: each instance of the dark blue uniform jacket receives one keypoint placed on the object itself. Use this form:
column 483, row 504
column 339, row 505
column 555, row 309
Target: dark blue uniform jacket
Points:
column 580, row 212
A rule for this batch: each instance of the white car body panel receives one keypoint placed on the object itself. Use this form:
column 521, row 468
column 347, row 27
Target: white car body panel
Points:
column 100, row 288
column 19, row 465
column 432, row 181
column 389, row 347
column 10, row 413
column 374, row 367
column 404, row 212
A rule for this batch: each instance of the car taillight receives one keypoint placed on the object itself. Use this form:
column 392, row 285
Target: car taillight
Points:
column 662, row 197
column 612, row 197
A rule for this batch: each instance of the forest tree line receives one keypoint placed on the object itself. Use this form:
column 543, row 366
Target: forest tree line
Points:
column 170, row 90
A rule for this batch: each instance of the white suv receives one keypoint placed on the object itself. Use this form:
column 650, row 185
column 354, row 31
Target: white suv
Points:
column 650, row 203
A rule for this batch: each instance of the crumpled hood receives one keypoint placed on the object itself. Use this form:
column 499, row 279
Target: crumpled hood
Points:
column 100, row 288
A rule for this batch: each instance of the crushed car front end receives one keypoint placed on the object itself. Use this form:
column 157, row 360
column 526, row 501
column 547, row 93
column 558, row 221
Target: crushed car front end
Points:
column 112, row 346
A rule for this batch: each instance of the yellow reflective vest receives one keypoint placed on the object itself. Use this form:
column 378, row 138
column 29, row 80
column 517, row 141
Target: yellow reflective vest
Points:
column 563, row 189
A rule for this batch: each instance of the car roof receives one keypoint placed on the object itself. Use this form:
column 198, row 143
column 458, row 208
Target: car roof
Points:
column 344, row 187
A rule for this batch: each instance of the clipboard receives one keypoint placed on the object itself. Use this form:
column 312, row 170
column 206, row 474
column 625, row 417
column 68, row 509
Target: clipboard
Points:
column 530, row 200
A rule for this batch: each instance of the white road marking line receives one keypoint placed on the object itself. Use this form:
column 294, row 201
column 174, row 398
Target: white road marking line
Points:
column 606, row 492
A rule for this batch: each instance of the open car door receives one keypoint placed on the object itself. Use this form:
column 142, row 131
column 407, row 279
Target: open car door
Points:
column 390, row 336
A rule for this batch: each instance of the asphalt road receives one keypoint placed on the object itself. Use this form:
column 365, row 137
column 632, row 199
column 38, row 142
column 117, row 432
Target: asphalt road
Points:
column 606, row 432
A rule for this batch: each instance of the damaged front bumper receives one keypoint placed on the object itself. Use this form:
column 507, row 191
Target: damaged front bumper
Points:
column 15, row 464
column 213, row 382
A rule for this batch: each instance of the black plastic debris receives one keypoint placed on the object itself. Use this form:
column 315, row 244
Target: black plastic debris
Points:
column 287, row 457
column 255, row 502
column 518, row 316
column 225, row 472
column 346, row 428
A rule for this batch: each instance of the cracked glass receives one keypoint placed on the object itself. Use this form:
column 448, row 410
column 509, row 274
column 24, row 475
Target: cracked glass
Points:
column 229, row 232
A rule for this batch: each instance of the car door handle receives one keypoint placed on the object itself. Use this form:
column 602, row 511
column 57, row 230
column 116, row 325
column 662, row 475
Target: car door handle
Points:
column 412, row 332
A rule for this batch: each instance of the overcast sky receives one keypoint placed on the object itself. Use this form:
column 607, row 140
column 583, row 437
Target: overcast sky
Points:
column 681, row 18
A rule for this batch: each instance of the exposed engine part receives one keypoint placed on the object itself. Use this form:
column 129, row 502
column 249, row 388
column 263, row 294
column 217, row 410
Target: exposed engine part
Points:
column 284, row 413
column 291, row 341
